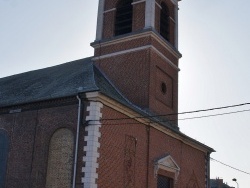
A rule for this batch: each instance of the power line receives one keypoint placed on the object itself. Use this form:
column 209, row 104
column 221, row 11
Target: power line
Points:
column 213, row 115
column 181, row 113
column 229, row 166
column 162, row 121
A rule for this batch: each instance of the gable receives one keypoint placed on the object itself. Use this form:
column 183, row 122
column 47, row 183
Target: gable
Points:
column 167, row 163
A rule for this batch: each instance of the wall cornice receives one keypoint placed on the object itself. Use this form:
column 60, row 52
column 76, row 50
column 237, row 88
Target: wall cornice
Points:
column 133, row 36
column 106, row 101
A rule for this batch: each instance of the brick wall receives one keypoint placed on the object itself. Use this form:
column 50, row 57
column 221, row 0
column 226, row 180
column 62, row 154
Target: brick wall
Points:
column 139, row 63
column 113, row 171
column 130, row 74
column 138, row 16
column 162, row 72
column 30, row 134
column 127, row 150
column 139, row 74
column 112, row 162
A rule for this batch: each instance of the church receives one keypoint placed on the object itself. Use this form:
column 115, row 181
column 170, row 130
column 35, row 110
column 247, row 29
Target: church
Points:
column 107, row 121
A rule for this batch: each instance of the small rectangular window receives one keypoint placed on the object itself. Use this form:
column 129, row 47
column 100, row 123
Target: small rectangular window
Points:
column 164, row 182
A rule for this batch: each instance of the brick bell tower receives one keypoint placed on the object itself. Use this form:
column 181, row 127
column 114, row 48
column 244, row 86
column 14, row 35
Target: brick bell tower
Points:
column 136, row 47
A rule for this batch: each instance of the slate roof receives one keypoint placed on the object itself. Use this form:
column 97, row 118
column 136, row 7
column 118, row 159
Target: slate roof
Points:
column 60, row 81
column 66, row 80
column 218, row 183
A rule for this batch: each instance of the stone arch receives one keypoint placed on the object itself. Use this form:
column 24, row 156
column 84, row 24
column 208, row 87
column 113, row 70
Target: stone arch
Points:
column 4, row 150
column 60, row 159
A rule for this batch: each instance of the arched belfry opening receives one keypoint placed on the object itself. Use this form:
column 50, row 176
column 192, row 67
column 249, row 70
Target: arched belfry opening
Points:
column 165, row 22
column 123, row 17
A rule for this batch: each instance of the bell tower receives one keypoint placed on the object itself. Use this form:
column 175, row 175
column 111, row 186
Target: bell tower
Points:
column 136, row 47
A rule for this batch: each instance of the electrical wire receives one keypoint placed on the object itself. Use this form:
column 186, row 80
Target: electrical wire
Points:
column 213, row 115
column 181, row 113
column 229, row 166
column 162, row 121
column 189, row 112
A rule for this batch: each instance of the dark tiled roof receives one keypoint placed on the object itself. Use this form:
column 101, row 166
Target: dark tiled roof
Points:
column 60, row 81
column 218, row 183
column 65, row 80
column 49, row 83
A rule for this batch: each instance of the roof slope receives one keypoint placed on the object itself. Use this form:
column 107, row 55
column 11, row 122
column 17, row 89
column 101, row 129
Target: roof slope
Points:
column 45, row 84
column 66, row 80
column 60, row 81
column 218, row 183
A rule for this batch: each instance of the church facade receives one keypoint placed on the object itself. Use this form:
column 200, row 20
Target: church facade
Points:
column 105, row 121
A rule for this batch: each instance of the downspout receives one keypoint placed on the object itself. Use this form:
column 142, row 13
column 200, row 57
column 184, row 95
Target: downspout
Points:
column 208, row 169
column 77, row 139
column 148, row 148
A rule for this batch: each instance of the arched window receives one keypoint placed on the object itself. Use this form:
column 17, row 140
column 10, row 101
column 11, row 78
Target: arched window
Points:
column 164, row 22
column 123, row 18
column 60, row 160
column 4, row 147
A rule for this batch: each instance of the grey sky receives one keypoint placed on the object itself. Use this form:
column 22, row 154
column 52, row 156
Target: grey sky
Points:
column 213, row 39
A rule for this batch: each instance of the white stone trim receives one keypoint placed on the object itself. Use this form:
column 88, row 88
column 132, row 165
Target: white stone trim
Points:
column 132, row 50
column 107, row 101
column 99, row 26
column 158, row 5
column 176, row 27
column 91, row 149
column 137, row 36
column 172, row 19
column 110, row 10
column 175, row 2
column 141, row 1
column 165, row 58
column 121, row 39
column 150, row 14
column 121, row 52
column 167, row 163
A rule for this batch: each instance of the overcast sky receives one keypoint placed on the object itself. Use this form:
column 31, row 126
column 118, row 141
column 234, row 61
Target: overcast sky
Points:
column 213, row 39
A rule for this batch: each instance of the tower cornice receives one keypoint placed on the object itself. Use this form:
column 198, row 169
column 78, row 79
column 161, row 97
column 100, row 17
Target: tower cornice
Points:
column 137, row 35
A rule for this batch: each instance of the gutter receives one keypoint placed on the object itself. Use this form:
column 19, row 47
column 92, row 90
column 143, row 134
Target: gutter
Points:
column 77, row 139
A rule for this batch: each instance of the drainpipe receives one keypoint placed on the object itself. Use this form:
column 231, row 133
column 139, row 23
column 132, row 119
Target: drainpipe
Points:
column 77, row 139
column 148, row 148
column 208, row 169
